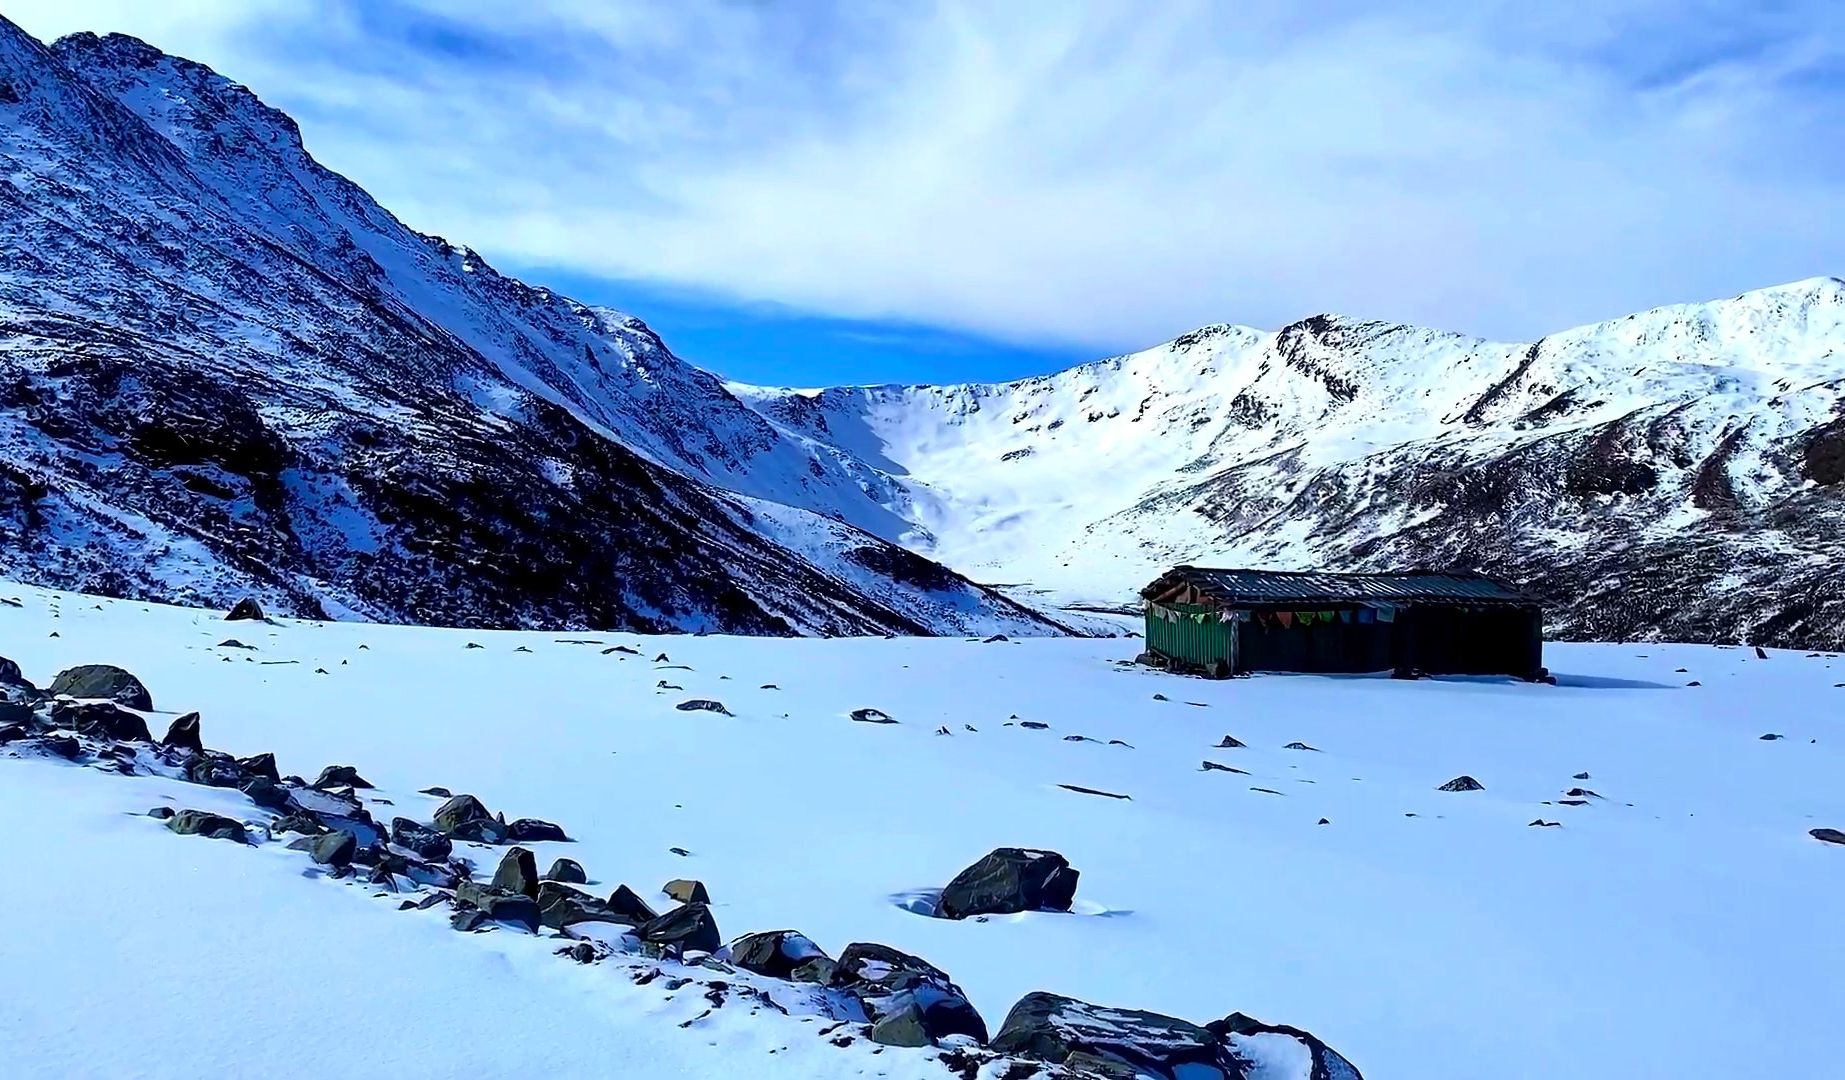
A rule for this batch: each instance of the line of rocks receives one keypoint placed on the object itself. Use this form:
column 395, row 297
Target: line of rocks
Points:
column 903, row 999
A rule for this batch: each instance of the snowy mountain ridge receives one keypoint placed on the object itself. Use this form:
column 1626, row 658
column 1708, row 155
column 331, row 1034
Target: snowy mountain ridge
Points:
column 225, row 369
column 1697, row 440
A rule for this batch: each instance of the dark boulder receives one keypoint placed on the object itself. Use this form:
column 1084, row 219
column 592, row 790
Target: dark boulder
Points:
column 247, row 608
column 567, row 871
column 1010, row 880
column 101, row 720
column 10, row 675
column 335, row 849
column 204, row 823
column 629, row 907
column 888, row 983
column 775, row 953
column 340, row 776
column 1053, row 1028
column 517, row 873
column 687, row 928
column 16, row 712
column 559, row 905
column 161, row 813
column 686, row 891
column 425, row 841
column 58, row 746
column 1462, row 783
column 703, row 705
column 532, row 830
column 1828, row 836
column 872, row 716
column 183, row 733
column 104, row 681
column 262, row 765
column 266, row 793
column 1232, row 1031
column 457, row 811
column 12, row 732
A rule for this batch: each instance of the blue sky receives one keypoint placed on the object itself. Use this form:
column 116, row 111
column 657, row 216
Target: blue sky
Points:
column 866, row 191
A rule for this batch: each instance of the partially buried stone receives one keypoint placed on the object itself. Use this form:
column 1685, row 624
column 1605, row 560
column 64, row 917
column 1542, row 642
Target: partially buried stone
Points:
column 689, row 927
column 1009, row 880
column 340, row 776
column 534, row 830
column 183, row 733
column 629, row 907
column 1463, row 783
column 103, row 681
column 568, row 871
column 775, row 953
column 204, row 823
column 425, row 841
column 334, row 849
column 517, row 873
column 686, row 891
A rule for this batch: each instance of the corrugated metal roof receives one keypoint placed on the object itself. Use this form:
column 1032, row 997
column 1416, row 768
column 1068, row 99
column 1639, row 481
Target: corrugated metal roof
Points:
column 1242, row 586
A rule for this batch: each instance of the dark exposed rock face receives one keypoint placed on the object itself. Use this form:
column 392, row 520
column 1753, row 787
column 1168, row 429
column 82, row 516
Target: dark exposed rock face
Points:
column 103, row 681
column 247, row 608
column 100, row 720
column 143, row 378
column 183, row 733
column 517, row 873
column 567, row 871
column 341, row 776
column 10, row 675
column 425, row 841
column 459, row 810
column 1328, row 1064
column 1010, row 880
column 627, row 904
column 686, row 891
column 686, row 927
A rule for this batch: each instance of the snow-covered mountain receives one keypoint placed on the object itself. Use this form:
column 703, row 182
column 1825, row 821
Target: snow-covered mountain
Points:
column 225, row 369
column 1674, row 474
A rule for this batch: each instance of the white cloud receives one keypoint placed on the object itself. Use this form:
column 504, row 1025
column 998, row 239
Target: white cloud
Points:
column 1102, row 175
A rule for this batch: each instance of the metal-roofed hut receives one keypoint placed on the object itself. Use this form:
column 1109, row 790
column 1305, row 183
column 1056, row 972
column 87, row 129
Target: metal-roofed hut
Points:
column 1224, row 622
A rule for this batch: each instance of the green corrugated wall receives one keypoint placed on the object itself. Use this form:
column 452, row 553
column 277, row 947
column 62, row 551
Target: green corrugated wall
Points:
column 1190, row 641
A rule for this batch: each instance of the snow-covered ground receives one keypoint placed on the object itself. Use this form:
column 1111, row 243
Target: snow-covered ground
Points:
column 1682, row 924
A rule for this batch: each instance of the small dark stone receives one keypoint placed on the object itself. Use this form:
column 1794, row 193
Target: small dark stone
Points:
column 161, row 813
column 183, row 733
column 474, row 645
column 103, row 681
column 1300, row 746
column 203, row 823
column 568, row 871
column 1771, row 736
column 1230, row 742
column 100, row 720
column 247, row 608
column 1544, row 824
column 1580, row 776
column 679, row 851
column 1761, row 653
column 1080, row 790
column 340, row 776
column 439, row 792
column 686, row 891
column 1161, row 697
column 11, row 675
column 582, row 952
column 233, row 643
column 1212, row 766
column 872, row 716
column 1830, row 836
column 1462, row 783
column 459, row 810
column 1324, row 821
column 1034, row 725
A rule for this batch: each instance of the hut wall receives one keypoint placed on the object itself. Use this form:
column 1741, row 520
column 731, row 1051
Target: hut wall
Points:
column 1444, row 640
column 1335, row 647
column 1190, row 641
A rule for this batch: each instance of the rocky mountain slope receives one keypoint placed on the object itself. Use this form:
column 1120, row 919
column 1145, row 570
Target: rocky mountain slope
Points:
column 226, row 370
column 1675, row 474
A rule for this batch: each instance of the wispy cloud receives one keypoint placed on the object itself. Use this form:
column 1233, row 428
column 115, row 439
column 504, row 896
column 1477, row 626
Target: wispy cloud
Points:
column 1102, row 174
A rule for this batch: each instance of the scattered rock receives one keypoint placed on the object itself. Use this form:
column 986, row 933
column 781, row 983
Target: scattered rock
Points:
column 582, row 952
column 567, row 871
column 995, row 639
column 183, row 733
column 534, row 830
column 872, row 716
column 1462, row 783
column 517, row 873
column 420, row 838
column 1035, row 725
column 340, row 776
column 1830, row 836
column 233, row 643
column 628, row 907
column 474, row 645
column 1235, row 1029
column 334, row 849
column 205, row 823
column 1230, row 742
column 1581, row 793
column 687, row 928
column 1212, row 766
column 775, row 953
column 104, row 681
column 59, row 746
column 1771, row 736
column 266, row 793
column 438, row 792
column 262, row 765
column 1545, row 824
column 1324, row 821
column 686, row 891
column 1009, row 880
column 768, row 686
column 1301, row 746
column 492, row 906
column 459, row 811
column 1580, row 776
column 703, row 705
column 559, row 906
column 160, row 813
column 679, row 851
column 1080, row 790
column 1160, row 697
column 1761, row 653
column 10, row 675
